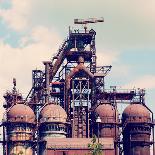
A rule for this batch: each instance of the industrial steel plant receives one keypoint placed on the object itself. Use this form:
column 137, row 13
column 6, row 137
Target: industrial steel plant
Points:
column 68, row 104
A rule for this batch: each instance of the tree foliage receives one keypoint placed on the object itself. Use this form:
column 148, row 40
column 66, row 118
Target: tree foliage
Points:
column 95, row 147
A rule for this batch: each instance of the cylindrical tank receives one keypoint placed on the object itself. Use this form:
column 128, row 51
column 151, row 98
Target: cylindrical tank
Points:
column 52, row 124
column 108, row 126
column 20, row 129
column 136, row 130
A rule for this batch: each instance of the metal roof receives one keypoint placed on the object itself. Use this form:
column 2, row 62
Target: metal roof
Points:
column 77, row 143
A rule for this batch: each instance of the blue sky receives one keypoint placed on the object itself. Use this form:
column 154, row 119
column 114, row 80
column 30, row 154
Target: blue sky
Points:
column 32, row 30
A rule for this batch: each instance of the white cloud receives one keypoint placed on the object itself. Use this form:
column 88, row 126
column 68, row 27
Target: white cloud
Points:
column 126, row 24
column 20, row 61
column 17, row 16
column 147, row 82
column 43, row 35
column 107, row 56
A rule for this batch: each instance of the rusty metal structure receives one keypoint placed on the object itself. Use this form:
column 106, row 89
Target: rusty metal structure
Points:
column 58, row 116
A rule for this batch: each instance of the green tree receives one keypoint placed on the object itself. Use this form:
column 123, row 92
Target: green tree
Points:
column 95, row 147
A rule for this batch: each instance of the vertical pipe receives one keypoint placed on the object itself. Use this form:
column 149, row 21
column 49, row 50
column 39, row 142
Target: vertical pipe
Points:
column 88, row 128
column 37, row 131
column 80, row 83
column 80, row 110
column 47, row 80
column 73, row 123
column 98, row 131
column 65, row 90
column 115, row 104
column 153, row 134
column 152, row 127
column 4, row 141
column 75, row 45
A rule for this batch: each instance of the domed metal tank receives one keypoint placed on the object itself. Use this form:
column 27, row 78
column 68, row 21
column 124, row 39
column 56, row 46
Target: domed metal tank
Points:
column 20, row 129
column 136, row 129
column 53, row 121
column 52, row 124
column 109, row 120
